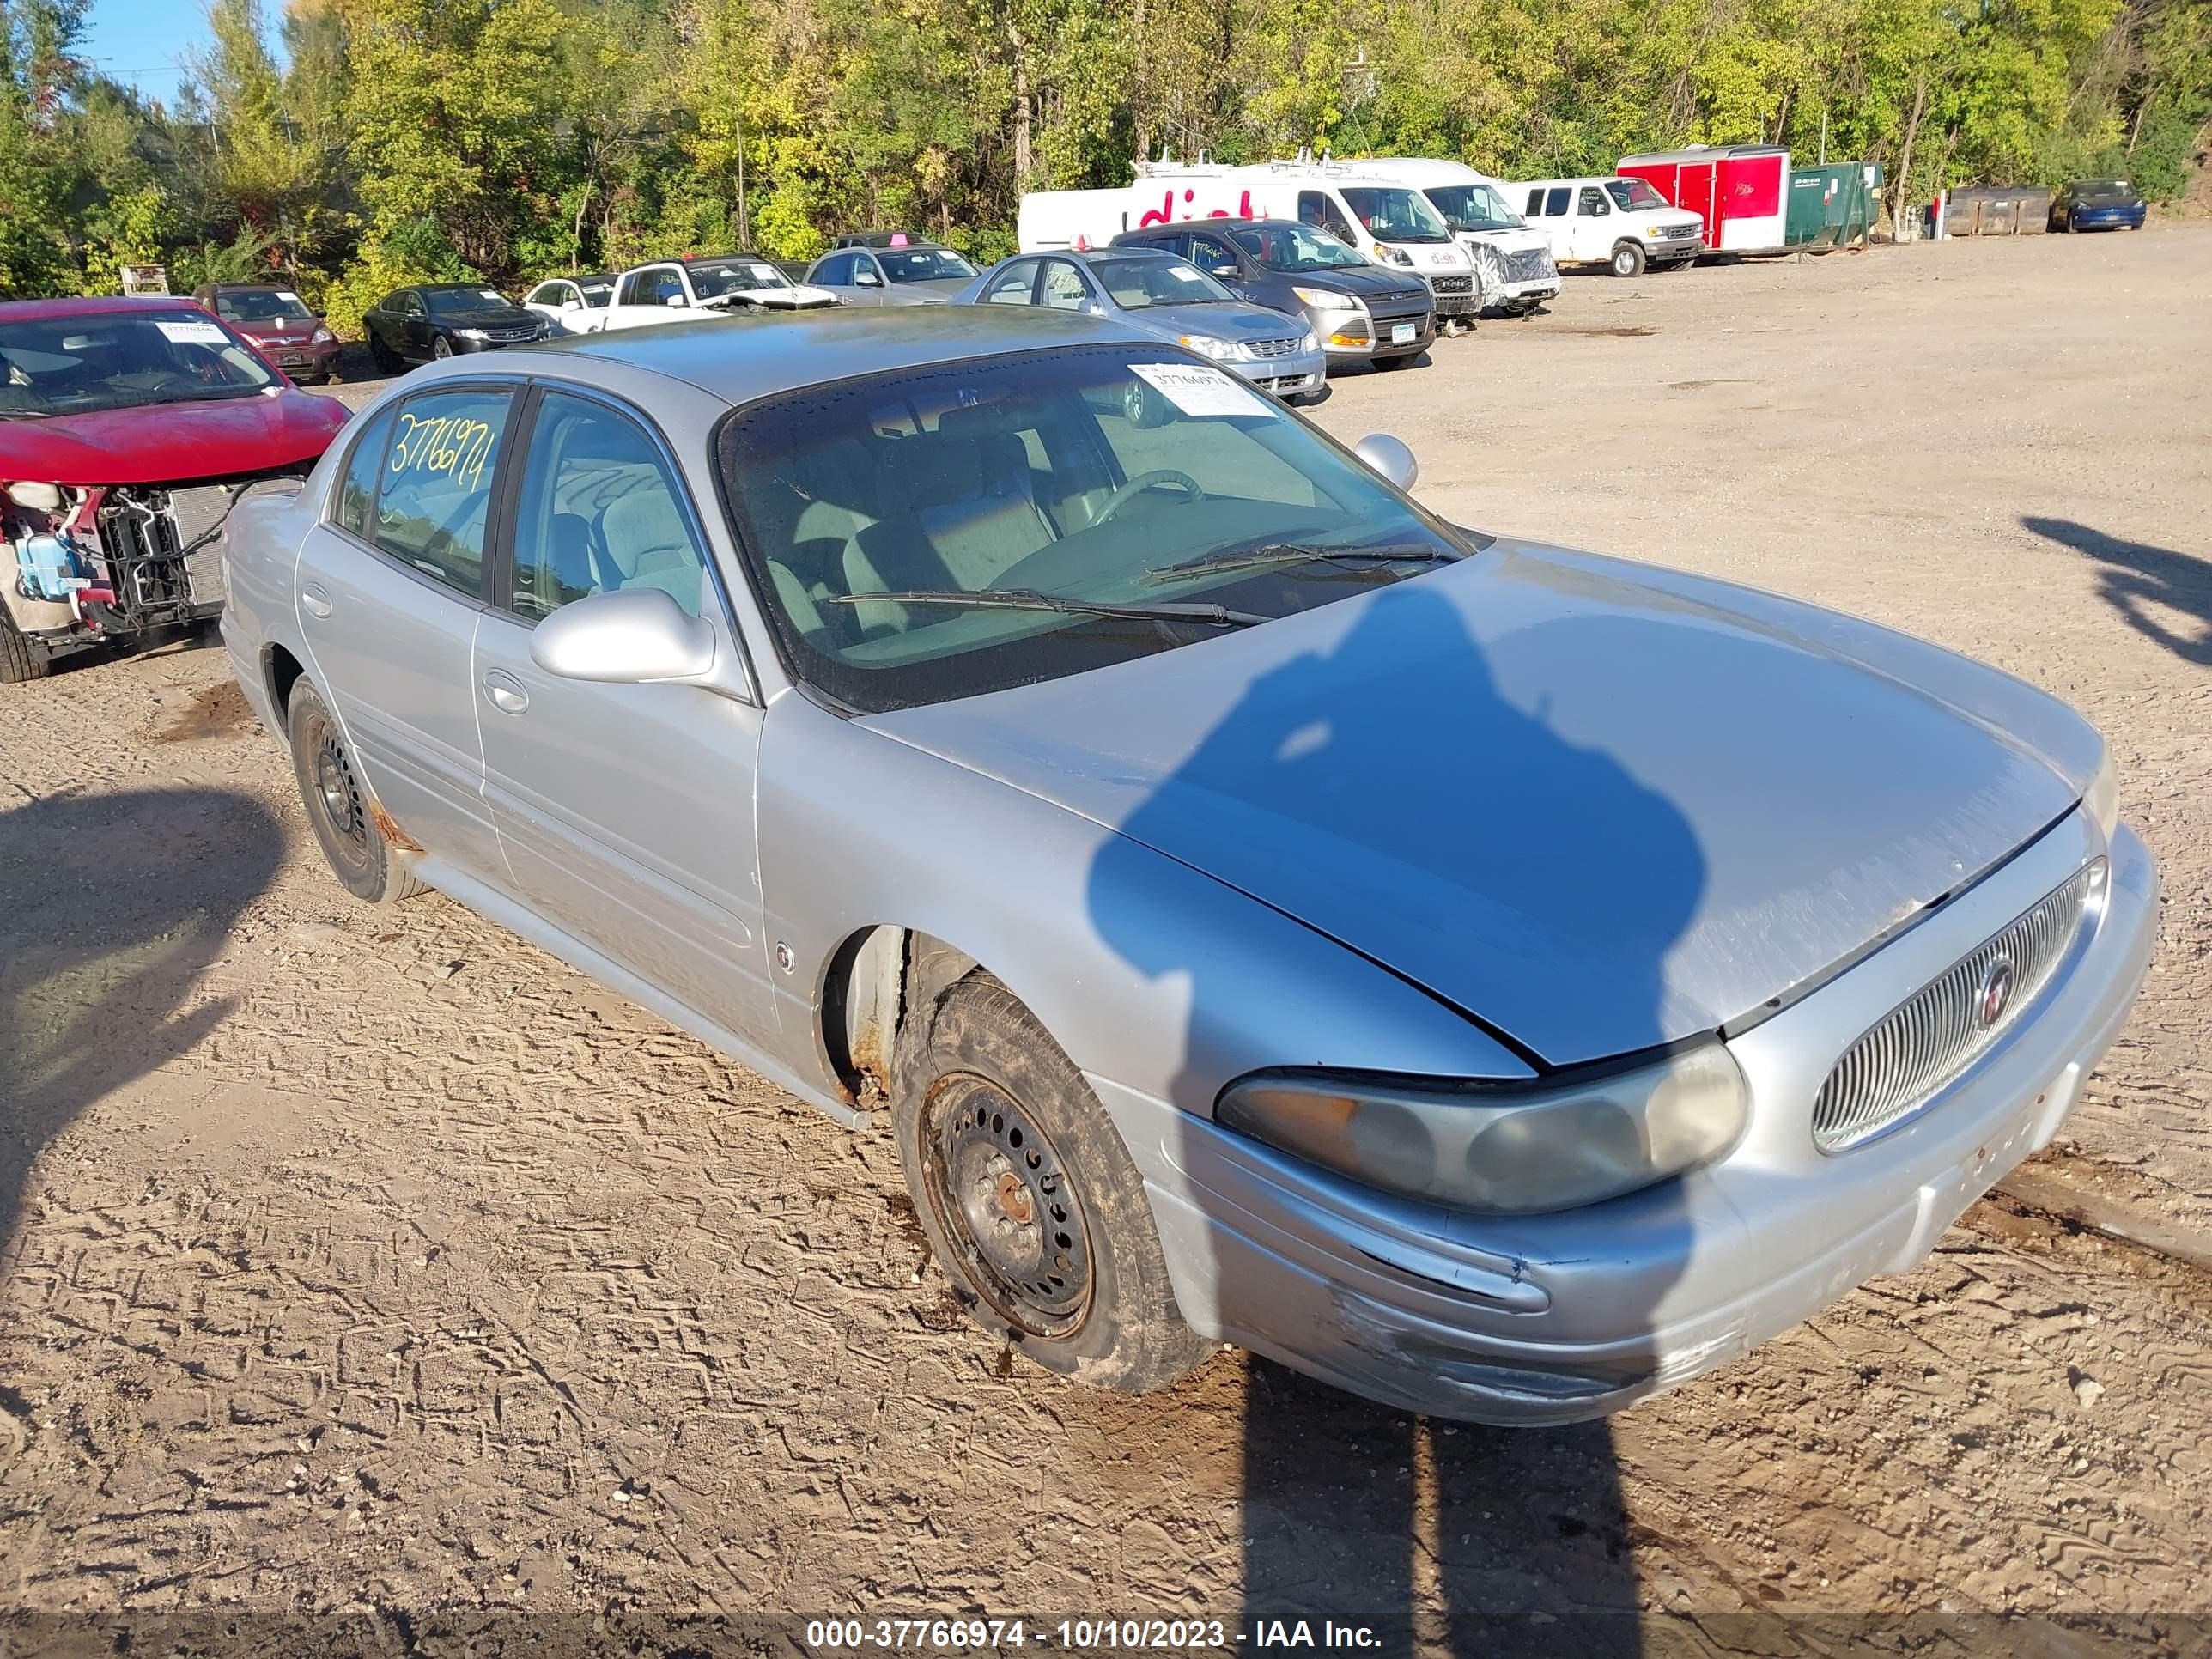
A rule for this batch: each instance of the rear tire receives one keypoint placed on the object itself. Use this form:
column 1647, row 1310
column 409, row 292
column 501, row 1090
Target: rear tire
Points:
column 339, row 806
column 1628, row 259
column 1029, row 1198
column 386, row 359
column 18, row 661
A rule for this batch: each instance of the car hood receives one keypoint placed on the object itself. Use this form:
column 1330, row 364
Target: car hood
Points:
column 1370, row 283
column 487, row 317
column 800, row 296
column 936, row 291
column 169, row 443
column 1595, row 805
column 1239, row 321
column 287, row 331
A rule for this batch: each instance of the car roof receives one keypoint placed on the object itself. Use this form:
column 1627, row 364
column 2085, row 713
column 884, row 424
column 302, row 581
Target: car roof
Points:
column 247, row 287
column 879, row 239
column 444, row 288
column 737, row 359
column 1199, row 224
column 1093, row 255
column 92, row 305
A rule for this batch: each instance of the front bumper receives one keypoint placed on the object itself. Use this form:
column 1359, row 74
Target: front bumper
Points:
column 1666, row 250
column 297, row 359
column 1359, row 337
column 2105, row 218
column 1283, row 377
column 1533, row 1320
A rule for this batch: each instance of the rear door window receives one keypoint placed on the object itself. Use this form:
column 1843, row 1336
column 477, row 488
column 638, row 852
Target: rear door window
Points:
column 1555, row 202
column 1064, row 289
column 435, row 495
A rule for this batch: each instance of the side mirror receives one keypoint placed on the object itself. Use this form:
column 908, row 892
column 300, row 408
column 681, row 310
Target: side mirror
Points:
column 867, row 279
column 674, row 300
column 1388, row 457
column 637, row 636
column 572, row 305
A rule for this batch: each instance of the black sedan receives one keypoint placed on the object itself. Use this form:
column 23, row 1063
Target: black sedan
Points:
column 1359, row 311
column 443, row 319
column 2097, row 204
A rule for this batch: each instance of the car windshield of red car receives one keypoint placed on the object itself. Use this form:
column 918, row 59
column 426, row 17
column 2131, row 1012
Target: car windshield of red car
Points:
column 82, row 365
column 263, row 305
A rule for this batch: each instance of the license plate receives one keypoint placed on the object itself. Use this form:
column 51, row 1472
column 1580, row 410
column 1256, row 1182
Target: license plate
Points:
column 1402, row 333
column 292, row 362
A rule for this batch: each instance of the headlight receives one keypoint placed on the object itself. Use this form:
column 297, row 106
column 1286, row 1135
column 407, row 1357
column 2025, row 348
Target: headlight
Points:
column 1504, row 1149
column 1310, row 341
column 1396, row 256
column 469, row 333
column 2101, row 800
column 1206, row 345
column 1321, row 300
column 321, row 336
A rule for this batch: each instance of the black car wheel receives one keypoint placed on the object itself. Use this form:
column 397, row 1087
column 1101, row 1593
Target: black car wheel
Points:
column 339, row 808
column 18, row 661
column 386, row 359
column 1031, row 1203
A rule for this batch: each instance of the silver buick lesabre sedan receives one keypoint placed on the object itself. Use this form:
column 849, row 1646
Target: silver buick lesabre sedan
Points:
column 1505, row 983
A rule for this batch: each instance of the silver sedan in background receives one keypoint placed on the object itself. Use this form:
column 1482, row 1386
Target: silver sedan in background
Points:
column 1172, row 300
column 1503, row 981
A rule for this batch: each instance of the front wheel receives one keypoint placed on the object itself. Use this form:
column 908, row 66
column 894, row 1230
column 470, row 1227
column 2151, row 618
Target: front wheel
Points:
column 1030, row 1199
column 18, row 661
column 339, row 806
column 441, row 347
column 1628, row 259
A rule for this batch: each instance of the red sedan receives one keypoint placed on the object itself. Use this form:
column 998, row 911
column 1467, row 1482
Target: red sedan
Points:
column 128, row 428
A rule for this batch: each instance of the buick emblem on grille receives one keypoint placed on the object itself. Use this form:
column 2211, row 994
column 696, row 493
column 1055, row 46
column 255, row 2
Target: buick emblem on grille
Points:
column 1994, row 995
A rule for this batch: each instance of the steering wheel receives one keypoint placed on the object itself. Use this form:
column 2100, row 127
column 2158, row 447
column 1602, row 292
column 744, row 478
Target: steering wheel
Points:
column 1144, row 480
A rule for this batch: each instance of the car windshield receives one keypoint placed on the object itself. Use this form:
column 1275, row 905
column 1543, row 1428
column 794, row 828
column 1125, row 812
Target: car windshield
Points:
column 711, row 281
column 262, row 305
column 120, row 360
column 454, row 301
column 1136, row 284
column 1473, row 207
column 1294, row 248
column 1395, row 215
column 1092, row 475
column 1634, row 193
column 922, row 264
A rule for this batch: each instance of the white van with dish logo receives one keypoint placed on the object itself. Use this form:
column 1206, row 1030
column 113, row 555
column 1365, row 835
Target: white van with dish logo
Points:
column 1360, row 202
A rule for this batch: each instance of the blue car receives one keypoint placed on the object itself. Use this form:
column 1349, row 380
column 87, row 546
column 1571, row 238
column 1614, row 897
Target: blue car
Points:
column 2097, row 204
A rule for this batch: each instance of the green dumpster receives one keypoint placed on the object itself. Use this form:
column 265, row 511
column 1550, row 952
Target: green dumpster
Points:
column 1832, row 206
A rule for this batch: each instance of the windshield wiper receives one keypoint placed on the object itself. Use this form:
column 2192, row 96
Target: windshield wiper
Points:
column 1305, row 553
column 1027, row 598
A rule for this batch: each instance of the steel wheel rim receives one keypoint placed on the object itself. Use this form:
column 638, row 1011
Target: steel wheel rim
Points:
column 441, row 347
column 336, row 791
column 1001, row 1193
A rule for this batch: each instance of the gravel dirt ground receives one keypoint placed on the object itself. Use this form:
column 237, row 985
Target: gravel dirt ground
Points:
column 373, row 1262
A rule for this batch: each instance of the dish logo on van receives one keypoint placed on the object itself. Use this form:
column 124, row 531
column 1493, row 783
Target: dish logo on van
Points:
column 1165, row 213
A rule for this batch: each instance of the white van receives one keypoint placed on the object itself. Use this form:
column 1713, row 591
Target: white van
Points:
column 1514, row 271
column 1359, row 202
column 1620, row 223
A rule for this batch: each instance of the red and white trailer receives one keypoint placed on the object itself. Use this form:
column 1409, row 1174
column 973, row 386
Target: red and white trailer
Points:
column 1740, row 190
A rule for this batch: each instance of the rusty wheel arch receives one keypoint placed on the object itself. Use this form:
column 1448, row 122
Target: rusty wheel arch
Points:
column 872, row 985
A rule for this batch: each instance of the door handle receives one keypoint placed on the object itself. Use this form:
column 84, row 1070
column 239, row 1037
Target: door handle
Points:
column 315, row 601
column 504, row 693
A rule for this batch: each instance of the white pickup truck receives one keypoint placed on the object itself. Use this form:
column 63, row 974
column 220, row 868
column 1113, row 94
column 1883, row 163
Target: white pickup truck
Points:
column 670, row 290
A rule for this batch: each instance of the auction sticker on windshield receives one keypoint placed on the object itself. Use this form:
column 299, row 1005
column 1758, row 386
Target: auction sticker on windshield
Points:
column 191, row 333
column 1196, row 390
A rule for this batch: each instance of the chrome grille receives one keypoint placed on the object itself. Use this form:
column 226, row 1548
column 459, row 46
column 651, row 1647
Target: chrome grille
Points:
column 1273, row 348
column 1451, row 284
column 1932, row 1036
column 1678, row 231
